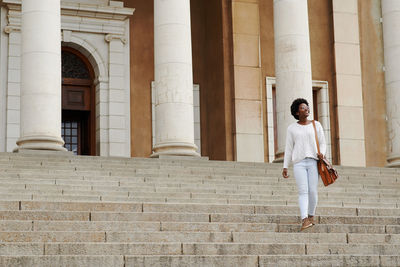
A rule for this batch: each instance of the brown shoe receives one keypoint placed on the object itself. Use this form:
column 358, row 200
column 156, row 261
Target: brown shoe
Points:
column 311, row 219
column 305, row 224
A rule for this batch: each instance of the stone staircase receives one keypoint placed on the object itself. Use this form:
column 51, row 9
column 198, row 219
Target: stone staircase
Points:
column 95, row 211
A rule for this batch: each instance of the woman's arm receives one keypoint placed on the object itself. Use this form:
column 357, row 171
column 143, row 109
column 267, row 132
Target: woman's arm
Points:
column 321, row 139
column 288, row 149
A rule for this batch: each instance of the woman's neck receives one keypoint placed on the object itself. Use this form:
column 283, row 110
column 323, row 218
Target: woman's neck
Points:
column 303, row 121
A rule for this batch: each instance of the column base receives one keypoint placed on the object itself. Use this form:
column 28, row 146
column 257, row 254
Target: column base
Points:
column 40, row 143
column 175, row 149
column 279, row 157
column 393, row 162
column 51, row 153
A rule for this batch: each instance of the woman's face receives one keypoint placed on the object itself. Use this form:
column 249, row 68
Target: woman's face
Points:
column 304, row 111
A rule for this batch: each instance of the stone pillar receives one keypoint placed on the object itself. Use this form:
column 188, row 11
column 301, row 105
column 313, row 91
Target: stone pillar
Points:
column 41, row 76
column 173, row 79
column 391, row 40
column 292, row 62
column 119, row 101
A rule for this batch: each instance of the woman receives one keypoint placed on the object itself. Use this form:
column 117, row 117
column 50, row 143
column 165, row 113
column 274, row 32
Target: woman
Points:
column 301, row 150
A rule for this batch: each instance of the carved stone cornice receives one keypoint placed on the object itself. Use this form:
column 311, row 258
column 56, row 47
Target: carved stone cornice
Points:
column 94, row 18
column 95, row 11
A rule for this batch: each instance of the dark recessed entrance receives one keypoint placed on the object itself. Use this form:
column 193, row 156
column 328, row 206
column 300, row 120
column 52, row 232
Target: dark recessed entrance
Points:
column 78, row 113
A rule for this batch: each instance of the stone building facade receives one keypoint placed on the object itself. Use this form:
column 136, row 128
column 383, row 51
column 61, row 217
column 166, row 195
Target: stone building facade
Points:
column 192, row 77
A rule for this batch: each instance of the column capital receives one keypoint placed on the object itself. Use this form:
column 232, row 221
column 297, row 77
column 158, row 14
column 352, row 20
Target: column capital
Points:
column 110, row 37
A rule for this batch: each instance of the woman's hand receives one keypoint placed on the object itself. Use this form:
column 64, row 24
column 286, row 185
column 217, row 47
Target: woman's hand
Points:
column 285, row 173
column 320, row 156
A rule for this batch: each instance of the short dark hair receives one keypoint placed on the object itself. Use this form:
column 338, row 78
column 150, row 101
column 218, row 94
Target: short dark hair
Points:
column 294, row 108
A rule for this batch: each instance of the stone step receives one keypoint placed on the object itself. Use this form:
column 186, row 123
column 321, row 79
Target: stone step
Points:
column 328, row 260
column 37, row 248
column 340, row 228
column 137, row 226
column 174, row 169
column 64, row 261
column 110, row 161
column 79, row 206
column 80, row 184
column 7, row 157
column 294, row 219
column 259, row 237
column 353, row 249
column 111, row 196
column 195, row 261
column 188, row 208
column 192, row 227
column 117, row 191
column 59, row 236
column 263, row 260
column 278, row 227
column 45, row 174
column 116, row 237
column 197, row 237
column 210, row 184
column 44, row 215
column 189, row 217
column 200, row 261
column 139, row 182
column 152, row 249
column 166, row 192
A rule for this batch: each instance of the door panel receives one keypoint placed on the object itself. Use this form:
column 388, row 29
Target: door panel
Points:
column 75, row 131
column 76, row 98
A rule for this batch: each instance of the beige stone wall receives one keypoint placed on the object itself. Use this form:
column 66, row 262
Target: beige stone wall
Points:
column 350, row 114
column 373, row 81
column 142, row 74
column 249, row 137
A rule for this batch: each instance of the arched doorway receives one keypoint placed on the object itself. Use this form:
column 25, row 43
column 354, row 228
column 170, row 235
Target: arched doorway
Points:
column 78, row 106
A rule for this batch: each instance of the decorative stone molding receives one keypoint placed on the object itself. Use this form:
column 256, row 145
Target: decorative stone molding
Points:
column 95, row 11
column 91, row 18
column 66, row 36
column 10, row 29
column 100, row 80
column 110, row 37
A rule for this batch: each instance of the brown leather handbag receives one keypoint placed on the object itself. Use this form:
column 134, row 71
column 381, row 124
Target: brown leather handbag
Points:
column 326, row 171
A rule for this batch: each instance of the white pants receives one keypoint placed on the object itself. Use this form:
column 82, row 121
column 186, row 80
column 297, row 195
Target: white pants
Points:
column 306, row 174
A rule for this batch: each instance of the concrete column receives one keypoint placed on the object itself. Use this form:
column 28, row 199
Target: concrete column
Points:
column 391, row 40
column 41, row 76
column 292, row 61
column 348, row 80
column 173, row 79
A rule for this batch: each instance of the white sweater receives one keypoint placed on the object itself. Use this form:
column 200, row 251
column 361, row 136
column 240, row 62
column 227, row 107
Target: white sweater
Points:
column 300, row 142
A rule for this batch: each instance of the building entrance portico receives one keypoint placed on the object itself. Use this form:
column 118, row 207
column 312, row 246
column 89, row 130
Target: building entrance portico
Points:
column 36, row 110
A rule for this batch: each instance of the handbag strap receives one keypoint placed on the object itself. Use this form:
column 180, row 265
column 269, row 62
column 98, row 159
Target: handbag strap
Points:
column 316, row 136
